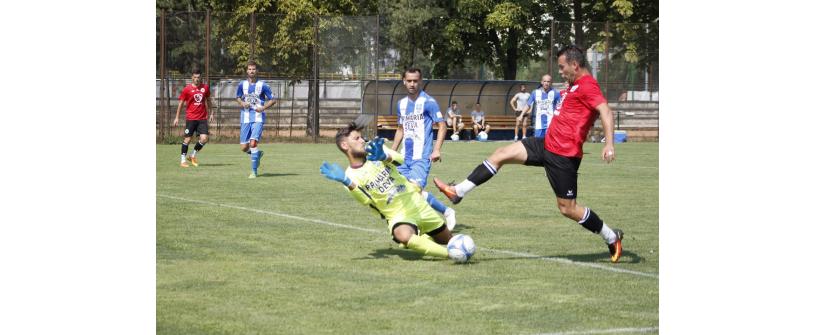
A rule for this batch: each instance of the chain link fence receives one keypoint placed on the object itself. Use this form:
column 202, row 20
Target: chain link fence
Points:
column 324, row 85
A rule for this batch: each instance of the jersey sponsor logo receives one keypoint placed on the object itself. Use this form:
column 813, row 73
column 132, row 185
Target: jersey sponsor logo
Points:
column 198, row 98
column 411, row 122
column 382, row 183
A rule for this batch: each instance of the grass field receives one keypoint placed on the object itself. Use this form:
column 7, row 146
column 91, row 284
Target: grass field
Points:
column 291, row 253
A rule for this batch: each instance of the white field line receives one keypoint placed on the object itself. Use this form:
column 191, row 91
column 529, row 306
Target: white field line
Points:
column 571, row 262
column 606, row 331
column 274, row 213
column 376, row 231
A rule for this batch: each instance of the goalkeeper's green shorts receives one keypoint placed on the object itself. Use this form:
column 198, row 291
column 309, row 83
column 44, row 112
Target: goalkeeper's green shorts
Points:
column 424, row 219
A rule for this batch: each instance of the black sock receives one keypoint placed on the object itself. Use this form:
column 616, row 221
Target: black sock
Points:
column 184, row 148
column 482, row 173
column 199, row 146
column 591, row 221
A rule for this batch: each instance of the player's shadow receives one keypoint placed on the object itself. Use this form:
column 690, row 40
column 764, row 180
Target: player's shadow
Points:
column 386, row 253
column 459, row 227
column 627, row 257
column 277, row 174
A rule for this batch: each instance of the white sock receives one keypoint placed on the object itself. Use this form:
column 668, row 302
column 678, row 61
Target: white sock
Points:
column 254, row 150
column 464, row 187
column 450, row 218
column 608, row 234
column 194, row 152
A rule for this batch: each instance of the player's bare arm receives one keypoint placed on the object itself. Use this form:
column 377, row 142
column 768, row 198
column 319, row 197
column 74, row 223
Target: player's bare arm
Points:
column 178, row 112
column 209, row 109
column 512, row 103
column 267, row 104
column 397, row 138
column 607, row 119
column 435, row 156
column 243, row 104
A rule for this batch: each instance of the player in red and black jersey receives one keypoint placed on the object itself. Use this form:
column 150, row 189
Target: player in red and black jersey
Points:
column 197, row 98
column 561, row 150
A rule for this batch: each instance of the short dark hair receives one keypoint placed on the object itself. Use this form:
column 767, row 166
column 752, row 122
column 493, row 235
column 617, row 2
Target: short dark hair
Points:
column 412, row 70
column 196, row 70
column 573, row 54
column 454, row 102
column 251, row 63
column 343, row 133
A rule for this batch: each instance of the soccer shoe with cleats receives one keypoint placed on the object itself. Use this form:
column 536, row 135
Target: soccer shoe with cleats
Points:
column 448, row 190
column 253, row 175
column 184, row 165
column 616, row 249
column 193, row 161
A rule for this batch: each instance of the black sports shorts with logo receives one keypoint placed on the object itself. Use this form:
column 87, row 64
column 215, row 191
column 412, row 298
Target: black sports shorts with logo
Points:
column 196, row 126
column 560, row 170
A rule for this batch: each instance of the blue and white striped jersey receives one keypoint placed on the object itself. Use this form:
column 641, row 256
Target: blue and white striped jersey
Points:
column 256, row 95
column 544, row 106
column 417, row 119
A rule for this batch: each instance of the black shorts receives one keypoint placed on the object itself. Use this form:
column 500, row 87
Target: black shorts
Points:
column 560, row 170
column 196, row 126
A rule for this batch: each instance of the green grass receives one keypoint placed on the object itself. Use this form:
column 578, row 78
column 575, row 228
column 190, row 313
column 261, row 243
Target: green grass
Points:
column 229, row 260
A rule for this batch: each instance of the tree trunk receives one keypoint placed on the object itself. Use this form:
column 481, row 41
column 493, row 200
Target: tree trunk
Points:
column 312, row 93
column 511, row 63
column 577, row 6
column 497, row 50
column 412, row 50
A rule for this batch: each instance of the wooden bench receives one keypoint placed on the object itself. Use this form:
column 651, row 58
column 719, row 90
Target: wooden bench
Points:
column 502, row 123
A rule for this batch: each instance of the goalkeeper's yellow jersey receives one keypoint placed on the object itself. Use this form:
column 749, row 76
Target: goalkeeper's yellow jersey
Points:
column 383, row 188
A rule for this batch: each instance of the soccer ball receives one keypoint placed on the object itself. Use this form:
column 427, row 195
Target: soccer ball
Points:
column 454, row 137
column 482, row 136
column 460, row 248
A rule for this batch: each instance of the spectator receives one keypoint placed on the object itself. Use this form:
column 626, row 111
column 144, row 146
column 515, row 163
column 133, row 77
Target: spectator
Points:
column 518, row 104
column 454, row 118
column 479, row 121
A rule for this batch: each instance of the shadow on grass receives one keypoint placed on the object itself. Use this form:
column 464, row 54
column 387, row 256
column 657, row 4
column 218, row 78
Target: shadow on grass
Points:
column 459, row 227
column 628, row 257
column 277, row 174
column 599, row 258
column 404, row 254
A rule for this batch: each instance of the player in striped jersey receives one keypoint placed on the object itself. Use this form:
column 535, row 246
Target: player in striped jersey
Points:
column 545, row 99
column 372, row 179
column 417, row 112
column 255, row 97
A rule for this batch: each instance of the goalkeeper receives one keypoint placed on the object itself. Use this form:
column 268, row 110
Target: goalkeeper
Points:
column 373, row 180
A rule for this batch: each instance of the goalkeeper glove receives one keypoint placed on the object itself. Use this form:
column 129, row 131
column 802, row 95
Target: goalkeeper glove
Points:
column 375, row 150
column 333, row 171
